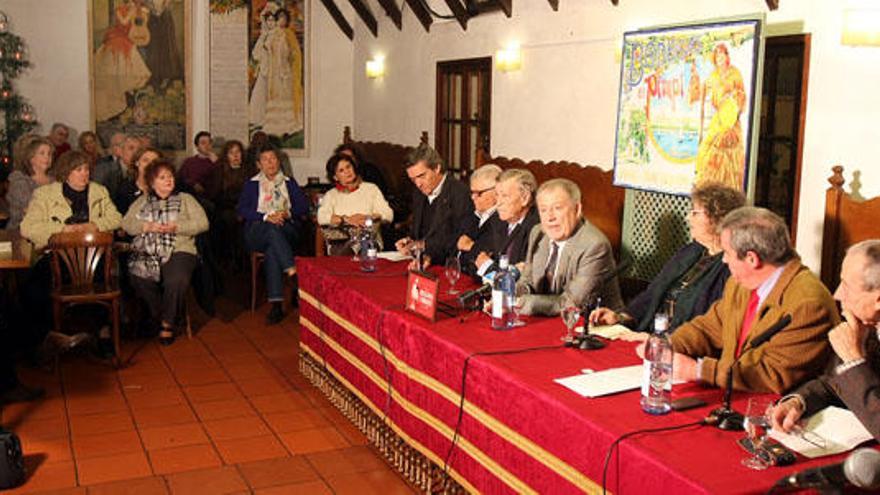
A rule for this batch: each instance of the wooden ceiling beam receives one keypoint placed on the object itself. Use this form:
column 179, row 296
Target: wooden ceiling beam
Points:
column 393, row 11
column 614, row 2
column 554, row 4
column 773, row 4
column 337, row 16
column 459, row 12
column 507, row 6
column 421, row 13
column 361, row 8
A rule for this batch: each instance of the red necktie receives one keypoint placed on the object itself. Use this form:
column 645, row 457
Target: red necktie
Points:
column 748, row 319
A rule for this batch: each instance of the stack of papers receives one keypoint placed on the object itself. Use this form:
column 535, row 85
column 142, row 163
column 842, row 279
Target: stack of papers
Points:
column 830, row 431
column 393, row 256
column 606, row 382
column 617, row 331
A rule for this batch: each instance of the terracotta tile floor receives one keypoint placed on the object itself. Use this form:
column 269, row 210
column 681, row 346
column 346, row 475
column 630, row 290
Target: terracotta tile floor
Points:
column 225, row 412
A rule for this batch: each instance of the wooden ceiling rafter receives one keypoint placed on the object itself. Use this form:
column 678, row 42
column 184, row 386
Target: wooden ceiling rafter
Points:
column 507, row 6
column 772, row 4
column 364, row 12
column 393, row 11
column 421, row 13
column 459, row 12
column 337, row 16
column 554, row 4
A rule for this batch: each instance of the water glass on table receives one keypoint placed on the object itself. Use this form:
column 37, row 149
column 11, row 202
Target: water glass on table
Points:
column 570, row 315
column 757, row 424
column 453, row 273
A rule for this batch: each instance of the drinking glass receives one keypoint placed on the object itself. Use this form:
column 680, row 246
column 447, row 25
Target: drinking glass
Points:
column 757, row 424
column 517, row 307
column 453, row 272
column 570, row 315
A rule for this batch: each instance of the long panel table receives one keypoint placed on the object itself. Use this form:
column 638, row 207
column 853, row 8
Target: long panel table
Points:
column 399, row 378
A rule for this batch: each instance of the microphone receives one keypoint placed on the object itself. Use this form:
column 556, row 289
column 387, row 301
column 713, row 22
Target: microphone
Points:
column 485, row 289
column 861, row 470
column 725, row 417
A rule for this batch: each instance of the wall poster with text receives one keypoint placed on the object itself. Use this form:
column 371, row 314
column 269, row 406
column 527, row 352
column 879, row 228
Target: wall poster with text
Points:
column 139, row 69
column 687, row 106
column 265, row 89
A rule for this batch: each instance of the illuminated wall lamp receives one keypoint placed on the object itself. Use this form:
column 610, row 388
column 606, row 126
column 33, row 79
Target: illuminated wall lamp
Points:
column 376, row 67
column 508, row 59
column 861, row 27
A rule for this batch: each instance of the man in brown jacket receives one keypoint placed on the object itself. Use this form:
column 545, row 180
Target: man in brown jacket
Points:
column 767, row 283
column 853, row 379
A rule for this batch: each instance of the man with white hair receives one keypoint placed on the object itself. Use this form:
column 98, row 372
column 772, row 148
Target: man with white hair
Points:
column 853, row 379
column 569, row 261
column 59, row 135
column 477, row 231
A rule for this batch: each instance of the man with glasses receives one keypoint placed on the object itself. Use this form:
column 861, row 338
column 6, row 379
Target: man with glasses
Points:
column 853, row 377
column 441, row 205
column 477, row 231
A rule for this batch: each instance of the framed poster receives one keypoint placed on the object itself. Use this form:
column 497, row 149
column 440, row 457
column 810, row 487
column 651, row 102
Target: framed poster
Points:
column 686, row 107
column 140, row 69
column 421, row 294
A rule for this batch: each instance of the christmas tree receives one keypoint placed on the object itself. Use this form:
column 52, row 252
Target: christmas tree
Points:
column 17, row 115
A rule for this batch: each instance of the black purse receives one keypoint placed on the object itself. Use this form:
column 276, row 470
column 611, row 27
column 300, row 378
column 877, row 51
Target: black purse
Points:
column 11, row 460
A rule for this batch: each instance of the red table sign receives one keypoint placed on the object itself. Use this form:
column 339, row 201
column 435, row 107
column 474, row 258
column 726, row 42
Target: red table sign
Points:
column 421, row 294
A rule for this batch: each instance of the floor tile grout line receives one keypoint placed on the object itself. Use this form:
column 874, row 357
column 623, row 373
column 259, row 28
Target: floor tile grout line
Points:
column 59, row 370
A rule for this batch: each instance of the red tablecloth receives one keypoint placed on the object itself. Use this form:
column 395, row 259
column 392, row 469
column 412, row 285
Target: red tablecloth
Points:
column 521, row 432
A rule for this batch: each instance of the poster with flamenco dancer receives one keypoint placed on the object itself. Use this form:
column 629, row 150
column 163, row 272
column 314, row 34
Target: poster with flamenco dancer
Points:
column 139, row 83
column 686, row 110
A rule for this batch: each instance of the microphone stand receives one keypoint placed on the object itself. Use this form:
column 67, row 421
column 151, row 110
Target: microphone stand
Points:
column 725, row 417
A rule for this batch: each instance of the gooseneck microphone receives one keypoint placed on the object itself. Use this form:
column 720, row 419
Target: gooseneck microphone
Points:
column 485, row 289
column 724, row 417
column 861, row 470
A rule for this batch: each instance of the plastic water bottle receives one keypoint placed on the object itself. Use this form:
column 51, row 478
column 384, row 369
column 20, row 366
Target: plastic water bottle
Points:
column 503, row 294
column 657, row 377
column 369, row 248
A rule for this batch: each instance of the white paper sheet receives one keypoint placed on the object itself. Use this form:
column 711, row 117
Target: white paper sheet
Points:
column 393, row 256
column 617, row 331
column 610, row 381
column 830, row 431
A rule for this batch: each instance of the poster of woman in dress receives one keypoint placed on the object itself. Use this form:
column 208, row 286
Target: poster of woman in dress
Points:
column 138, row 69
column 276, row 103
column 686, row 108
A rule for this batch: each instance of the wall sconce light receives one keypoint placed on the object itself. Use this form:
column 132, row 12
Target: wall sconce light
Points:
column 376, row 67
column 861, row 27
column 509, row 58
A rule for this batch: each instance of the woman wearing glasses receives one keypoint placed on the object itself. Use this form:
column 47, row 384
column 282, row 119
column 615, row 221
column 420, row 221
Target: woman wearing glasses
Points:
column 694, row 277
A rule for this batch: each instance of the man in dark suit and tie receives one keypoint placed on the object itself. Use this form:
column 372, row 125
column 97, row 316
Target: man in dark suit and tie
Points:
column 853, row 379
column 569, row 260
column 440, row 207
column 477, row 234
column 112, row 170
column 517, row 214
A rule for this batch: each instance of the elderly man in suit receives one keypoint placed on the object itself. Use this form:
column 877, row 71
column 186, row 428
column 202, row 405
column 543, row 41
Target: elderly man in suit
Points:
column 441, row 206
column 853, row 377
column 112, row 170
column 569, row 261
column 767, row 284
column 478, row 231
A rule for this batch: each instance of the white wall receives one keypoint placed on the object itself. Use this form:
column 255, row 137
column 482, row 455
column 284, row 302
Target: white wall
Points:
column 57, row 84
column 562, row 104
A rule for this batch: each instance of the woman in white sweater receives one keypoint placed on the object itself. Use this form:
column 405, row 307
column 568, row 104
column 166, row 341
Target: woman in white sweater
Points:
column 351, row 201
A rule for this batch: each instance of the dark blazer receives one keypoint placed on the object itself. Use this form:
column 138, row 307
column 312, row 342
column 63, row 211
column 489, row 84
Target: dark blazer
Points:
column 482, row 235
column 515, row 245
column 857, row 389
column 249, row 199
column 694, row 300
column 109, row 174
column 452, row 207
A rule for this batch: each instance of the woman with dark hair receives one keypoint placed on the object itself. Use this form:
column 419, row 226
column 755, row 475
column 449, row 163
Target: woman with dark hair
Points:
column 31, row 171
column 369, row 172
column 164, row 224
column 350, row 202
column 694, row 277
column 233, row 173
column 89, row 144
column 136, row 185
column 273, row 207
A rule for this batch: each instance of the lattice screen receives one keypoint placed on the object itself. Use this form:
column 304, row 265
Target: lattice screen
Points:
column 654, row 227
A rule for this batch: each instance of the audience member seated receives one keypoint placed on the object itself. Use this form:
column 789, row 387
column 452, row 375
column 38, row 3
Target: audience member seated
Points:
column 136, row 185
column 74, row 204
column 260, row 140
column 767, row 283
column 853, row 378
column 58, row 136
column 88, row 144
column 569, row 261
column 112, row 170
column 163, row 255
column 197, row 173
column 517, row 217
column 694, row 277
column 477, row 231
column 226, row 232
column 368, row 171
column 441, row 205
column 349, row 204
column 31, row 171
column 273, row 207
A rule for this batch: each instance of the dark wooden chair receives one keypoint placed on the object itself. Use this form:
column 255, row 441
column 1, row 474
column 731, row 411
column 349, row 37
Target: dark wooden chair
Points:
column 847, row 221
column 257, row 259
column 76, row 259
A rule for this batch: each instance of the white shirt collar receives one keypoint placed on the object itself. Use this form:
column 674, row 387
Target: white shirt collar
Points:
column 485, row 215
column 436, row 191
column 767, row 286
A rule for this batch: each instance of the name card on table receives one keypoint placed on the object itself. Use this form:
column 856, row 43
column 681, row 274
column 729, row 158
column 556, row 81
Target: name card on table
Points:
column 421, row 294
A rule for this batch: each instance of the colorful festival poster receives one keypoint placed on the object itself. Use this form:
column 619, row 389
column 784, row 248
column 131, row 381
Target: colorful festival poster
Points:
column 686, row 106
